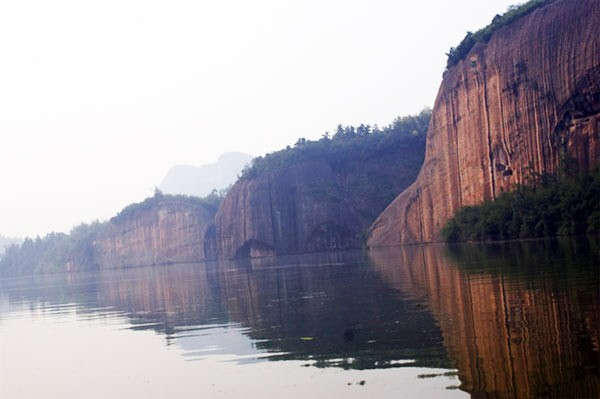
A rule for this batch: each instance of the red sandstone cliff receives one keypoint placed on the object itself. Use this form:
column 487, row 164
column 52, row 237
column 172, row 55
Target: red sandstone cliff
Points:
column 158, row 231
column 281, row 212
column 311, row 205
column 513, row 107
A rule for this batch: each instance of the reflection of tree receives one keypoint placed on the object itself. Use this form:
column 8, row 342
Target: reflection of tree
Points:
column 519, row 320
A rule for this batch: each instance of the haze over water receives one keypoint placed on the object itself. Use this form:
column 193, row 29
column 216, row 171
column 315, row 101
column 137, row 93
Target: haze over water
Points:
column 512, row 320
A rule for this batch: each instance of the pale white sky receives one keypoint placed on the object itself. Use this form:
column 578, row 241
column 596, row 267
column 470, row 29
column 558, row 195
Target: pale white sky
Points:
column 98, row 99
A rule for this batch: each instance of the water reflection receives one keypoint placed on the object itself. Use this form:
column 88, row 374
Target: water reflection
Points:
column 326, row 309
column 519, row 320
column 511, row 320
column 331, row 308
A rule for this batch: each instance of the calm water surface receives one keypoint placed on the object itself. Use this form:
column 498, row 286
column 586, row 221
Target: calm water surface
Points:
column 511, row 320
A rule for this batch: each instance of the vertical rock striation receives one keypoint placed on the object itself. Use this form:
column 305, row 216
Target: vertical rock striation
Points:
column 312, row 205
column 517, row 106
column 160, row 231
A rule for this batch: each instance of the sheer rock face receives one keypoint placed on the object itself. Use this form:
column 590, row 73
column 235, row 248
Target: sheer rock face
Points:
column 171, row 232
column 512, row 108
column 280, row 213
column 309, row 206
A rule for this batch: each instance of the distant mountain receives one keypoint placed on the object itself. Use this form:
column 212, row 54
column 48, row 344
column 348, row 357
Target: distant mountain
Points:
column 201, row 180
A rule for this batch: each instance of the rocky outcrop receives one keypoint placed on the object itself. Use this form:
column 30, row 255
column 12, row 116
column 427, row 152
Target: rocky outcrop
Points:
column 160, row 230
column 517, row 106
column 311, row 205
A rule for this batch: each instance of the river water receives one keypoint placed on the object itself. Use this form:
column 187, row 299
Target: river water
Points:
column 511, row 320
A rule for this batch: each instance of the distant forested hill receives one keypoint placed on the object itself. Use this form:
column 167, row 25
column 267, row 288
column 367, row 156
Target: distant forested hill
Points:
column 6, row 242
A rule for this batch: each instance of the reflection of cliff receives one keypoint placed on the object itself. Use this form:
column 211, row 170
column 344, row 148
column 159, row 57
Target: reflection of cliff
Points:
column 182, row 295
column 511, row 334
column 328, row 306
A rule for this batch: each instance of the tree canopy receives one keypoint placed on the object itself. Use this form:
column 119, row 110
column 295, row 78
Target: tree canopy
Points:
column 210, row 202
column 557, row 206
column 347, row 144
column 483, row 35
column 51, row 253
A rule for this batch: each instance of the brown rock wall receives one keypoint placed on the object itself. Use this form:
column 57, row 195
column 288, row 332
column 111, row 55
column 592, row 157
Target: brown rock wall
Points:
column 170, row 232
column 516, row 105
column 281, row 213
column 311, row 205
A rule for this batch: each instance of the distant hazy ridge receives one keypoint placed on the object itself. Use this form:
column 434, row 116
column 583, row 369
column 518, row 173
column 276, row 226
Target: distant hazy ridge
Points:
column 199, row 181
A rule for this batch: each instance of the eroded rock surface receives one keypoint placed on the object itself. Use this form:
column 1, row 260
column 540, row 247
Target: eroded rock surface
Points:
column 168, row 230
column 514, row 107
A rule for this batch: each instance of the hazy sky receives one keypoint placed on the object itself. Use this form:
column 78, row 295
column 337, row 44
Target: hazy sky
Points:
column 98, row 99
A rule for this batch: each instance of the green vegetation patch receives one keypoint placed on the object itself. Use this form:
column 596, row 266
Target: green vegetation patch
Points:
column 52, row 253
column 513, row 13
column 348, row 145
column 210, row 203
column 557, row 206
